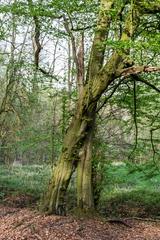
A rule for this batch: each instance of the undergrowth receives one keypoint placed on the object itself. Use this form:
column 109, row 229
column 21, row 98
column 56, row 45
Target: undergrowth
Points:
column 131, row 190
column 128, row 190
column 25, row 180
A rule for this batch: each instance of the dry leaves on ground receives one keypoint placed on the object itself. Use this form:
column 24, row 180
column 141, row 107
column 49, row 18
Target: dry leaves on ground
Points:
column 26, row 224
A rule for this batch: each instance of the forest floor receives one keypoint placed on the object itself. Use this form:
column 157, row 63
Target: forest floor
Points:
column 127, row 192
column 28, row 224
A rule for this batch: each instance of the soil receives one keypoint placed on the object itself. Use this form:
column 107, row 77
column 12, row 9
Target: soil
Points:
column 28, row 224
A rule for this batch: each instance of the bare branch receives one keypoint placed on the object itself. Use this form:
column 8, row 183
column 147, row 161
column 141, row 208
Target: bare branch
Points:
column 48, row 74
column 139, row 79
column 108, row 97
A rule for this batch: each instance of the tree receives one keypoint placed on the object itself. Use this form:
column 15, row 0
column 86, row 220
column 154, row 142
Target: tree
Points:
column 125, row 32
column 101, row 73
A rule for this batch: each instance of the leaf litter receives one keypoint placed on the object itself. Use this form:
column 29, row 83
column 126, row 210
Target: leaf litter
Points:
column 28, row 224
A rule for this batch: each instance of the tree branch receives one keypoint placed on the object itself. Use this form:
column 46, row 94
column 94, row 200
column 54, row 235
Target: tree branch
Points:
column 148, row 6
column 47, row 74
column 114, row 67
column 139, row 79
column 99, row 45
column 108, row 97
column 36, row 38
column 78, row 54
column 137, row 69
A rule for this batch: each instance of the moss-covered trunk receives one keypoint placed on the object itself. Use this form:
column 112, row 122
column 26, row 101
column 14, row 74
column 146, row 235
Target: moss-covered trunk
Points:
column 75, row 142
column 84, row 172
column 54, row 200
column 76, row 148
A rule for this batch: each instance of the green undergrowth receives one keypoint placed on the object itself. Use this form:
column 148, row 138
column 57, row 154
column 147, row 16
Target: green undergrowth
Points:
column 131, row 190
column 24, row 180
column 128, row 190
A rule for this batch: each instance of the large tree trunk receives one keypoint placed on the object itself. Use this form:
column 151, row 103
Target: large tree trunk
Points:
column 77, row 147
column 76, row 141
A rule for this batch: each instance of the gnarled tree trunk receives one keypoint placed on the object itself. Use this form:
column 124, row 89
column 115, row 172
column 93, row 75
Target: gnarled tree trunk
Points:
column 75, row 149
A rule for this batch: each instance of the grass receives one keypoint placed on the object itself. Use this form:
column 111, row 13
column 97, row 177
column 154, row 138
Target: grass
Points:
column 127, row 190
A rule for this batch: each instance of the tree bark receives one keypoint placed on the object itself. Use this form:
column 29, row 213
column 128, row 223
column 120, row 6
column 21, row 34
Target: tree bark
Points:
column 85, row 200
column 75, row 142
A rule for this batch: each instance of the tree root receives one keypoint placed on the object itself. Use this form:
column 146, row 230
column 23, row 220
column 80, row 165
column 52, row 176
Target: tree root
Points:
column 120, row 221
column 156, row 219
column 125, row 223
